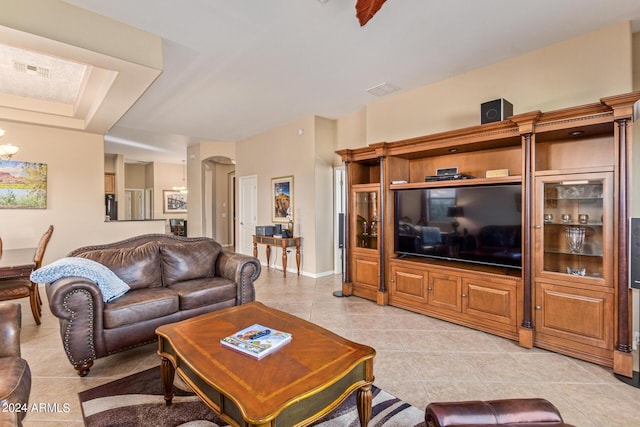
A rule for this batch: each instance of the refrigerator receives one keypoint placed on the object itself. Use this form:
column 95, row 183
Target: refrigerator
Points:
column 111, row 207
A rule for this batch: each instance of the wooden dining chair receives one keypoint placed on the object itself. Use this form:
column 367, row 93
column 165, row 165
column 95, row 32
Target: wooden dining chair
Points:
column 21, row 287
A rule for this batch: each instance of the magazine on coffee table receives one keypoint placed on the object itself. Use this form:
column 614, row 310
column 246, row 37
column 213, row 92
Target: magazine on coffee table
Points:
column 257, row 341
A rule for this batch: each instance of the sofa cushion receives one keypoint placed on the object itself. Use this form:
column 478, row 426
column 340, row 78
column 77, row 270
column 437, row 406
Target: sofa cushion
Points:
column 205, row 291
column 138, row 267
column 186, row 261
column 140, row 305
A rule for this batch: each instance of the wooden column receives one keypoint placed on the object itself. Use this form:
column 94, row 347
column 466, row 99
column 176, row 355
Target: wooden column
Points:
column 382, row 291
column 623, row 106
column 526, row 124
column 346, row 284
column 527, row 190
column 623, row 346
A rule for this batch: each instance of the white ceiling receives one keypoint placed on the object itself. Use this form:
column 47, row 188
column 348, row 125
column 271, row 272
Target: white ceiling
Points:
column 233, row 69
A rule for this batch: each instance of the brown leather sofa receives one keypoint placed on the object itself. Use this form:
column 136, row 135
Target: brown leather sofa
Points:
column 171, row 278
column 506, row 412
column 15, row 375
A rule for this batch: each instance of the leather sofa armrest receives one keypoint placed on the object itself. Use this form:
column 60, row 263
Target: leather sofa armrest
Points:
column 443, row 414
column 10, row 322
column 77, row 302
column 525, row 411
column 532, row 411
column 243, row 270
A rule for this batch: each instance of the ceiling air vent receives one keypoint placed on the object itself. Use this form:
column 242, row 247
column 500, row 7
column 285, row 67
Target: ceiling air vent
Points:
column 382, row 89
column 21, row 67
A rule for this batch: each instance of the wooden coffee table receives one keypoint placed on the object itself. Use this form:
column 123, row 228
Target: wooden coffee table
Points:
column 296, row 385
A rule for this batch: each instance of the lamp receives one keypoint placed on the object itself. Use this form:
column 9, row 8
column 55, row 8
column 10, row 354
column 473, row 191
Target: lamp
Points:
column 455, row 212
column 7, row 150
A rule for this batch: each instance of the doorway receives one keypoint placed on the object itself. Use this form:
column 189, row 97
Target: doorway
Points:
column 218, row 199
column 135, row 207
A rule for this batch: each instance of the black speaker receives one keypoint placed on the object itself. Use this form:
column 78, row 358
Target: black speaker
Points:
column 341, row 230
column 495, row 111
column 634, row 253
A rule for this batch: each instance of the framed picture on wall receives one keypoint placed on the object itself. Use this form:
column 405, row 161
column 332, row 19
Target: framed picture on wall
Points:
column 174, row 201
column 282, row 199
column 23, row 185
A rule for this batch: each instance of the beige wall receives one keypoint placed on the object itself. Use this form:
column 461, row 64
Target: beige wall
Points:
column 196, row 155
column 351, row 131
column 75, row 193
column 636, row 60
column 324, row 152
column 221, row 204
column 135, row 176
column 283, row 152
column 575, row 72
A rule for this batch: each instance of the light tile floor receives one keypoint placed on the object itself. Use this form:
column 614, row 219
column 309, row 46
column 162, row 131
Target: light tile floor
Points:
column 419, row 359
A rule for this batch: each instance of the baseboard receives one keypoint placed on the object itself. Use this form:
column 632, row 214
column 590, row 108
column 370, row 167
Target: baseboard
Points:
column 294, row 271
column 318, row 275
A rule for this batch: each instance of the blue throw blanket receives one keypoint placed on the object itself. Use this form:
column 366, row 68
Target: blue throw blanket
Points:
column 110, row 285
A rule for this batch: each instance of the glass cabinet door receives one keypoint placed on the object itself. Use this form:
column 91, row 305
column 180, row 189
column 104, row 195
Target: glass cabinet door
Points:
column 366, row 218
column 573, row 226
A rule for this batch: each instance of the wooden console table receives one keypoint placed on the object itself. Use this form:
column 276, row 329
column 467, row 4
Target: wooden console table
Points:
column 284, row 243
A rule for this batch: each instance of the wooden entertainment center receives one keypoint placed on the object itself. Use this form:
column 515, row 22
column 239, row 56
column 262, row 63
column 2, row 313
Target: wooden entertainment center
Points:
column 571, row 293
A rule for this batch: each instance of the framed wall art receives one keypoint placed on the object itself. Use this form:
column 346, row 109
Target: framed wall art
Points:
column 282, row 199
column 174, row 201
column 23, row 185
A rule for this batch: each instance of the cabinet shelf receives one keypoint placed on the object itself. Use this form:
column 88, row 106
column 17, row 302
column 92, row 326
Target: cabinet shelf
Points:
column 573, row 224
column 557, row 251
column 457, row 182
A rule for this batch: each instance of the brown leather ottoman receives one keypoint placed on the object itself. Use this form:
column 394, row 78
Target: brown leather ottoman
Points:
column 15, row 376
column 507, row 412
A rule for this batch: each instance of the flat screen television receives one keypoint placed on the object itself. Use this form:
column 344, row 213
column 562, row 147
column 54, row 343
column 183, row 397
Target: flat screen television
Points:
column 478, row 224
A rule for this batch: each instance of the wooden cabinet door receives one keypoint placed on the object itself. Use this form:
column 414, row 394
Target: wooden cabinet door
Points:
column 574, row 315
column 365, row 276
column 408, row 285
column 365, row 240
column 445, row 291
column 109, row 183
column 490, row 299
column 573, row 231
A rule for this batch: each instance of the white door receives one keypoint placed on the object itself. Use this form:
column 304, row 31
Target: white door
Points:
column 248, row 212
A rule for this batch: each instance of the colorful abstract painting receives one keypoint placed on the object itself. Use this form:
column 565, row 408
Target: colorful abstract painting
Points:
column 23, row 185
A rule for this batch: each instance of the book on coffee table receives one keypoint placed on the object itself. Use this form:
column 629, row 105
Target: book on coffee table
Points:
column 256, row 340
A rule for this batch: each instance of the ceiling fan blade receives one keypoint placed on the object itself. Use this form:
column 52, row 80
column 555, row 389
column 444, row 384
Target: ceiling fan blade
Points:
column 365, row 9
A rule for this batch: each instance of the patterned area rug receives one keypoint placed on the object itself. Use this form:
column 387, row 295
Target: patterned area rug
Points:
column 137, row 400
